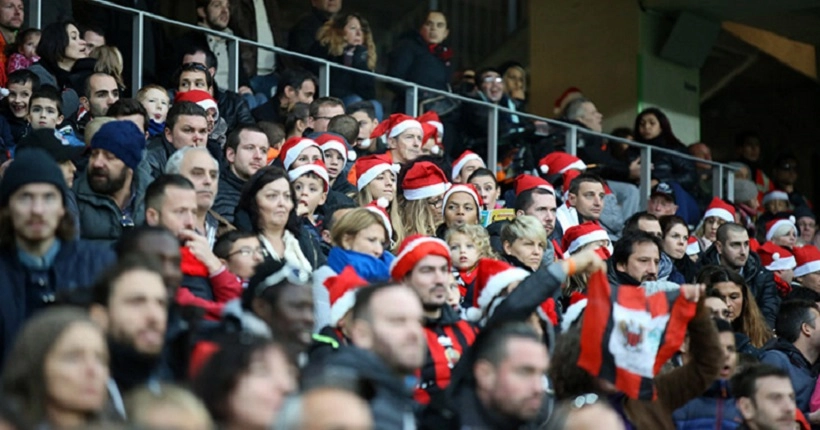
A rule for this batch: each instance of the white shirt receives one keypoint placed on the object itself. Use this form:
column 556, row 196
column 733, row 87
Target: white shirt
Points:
column 265, row 60
column 219, row 46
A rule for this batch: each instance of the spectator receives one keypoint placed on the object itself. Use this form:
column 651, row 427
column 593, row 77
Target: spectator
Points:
column 403, row 134
column 585, row 201
column 648, row 223
column 635, row 259
column 365, row 113
column 536, row 197
column 747, row 149
column 168, row 406
column 259, row 21
column 295, row 86
column 25, row 50
column 782, row 232
column 347, row 40
column 784, row 176
column 422, row 198
column 731, row 250
column 303, row 34
column 662, row 200
column 45, row 111
column 585, row 412
column 59, row 362
column 158, row 243
column 198, row 166
column 62, row 52
column 484, row 180
column 523, row 242
column 240, row 252
column 187, row 125
column 296, row 123
column 131, row 302
column 806, row 224
column 675, row 240
column 807, row 272
column 21, row 85
column 515, row 82
column 704, row 187
column 326, row 408
column 461, row 205
column 765, row 397
column 797, row 347
column 109, row 61
column 652, row 127
column 130, row 110
column 94, row 37
column 322, row 110
column 717, row 213
column 111, row 193
column 101, row 91
column 245, row 151
column 11, row 19
column 156, row 102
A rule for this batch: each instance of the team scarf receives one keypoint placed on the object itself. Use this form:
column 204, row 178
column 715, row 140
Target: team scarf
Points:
column 628, row 333
column 368, row 267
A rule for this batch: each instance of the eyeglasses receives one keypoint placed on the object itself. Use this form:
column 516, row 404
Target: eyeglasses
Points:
column 292, row 275
column 493, row 80
column 247, row 251
column 584, row 400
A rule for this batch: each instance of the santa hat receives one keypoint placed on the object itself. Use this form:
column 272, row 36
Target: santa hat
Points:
column 317, row 167
column 200, row 97
column 395, row 125
column 336, row 142
column 692, row 246
column 565, row 98
column 775, row 195
column 719, row 208
column 431, row 132
column 293, row 147
column 808, row 260
column 560, row 162
column 431, row 117
column 371, row 166
column 463, row 159
column 776, row 223
column 463, row 188
column 379, row 207
column 775, row 257
column 492, row 277
column 582, row 234
column 342, row 289
column 424, row 180
column 413, row 248
column 200, row 355
column 525, row 182
column 573, row 313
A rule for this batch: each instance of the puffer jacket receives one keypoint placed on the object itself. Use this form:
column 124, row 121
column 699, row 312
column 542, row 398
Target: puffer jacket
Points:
column 157, row 154
column 803, row 375
column 100, row 216
column 714, row 409
column 233, row 108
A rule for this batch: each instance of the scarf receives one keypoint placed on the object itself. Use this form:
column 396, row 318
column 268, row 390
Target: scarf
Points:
column 370, row 268
column 293, row 252
column 155, row 128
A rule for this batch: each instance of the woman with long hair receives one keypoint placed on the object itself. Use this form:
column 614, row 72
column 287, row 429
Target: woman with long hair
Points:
column 652, row 127
column 422, row 198
column 376, row 177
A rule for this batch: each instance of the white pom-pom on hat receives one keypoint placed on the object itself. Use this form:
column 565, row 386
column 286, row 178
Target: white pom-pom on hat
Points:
column 351, row 155
column 544, row 169
column 382, row 202
column 792, row 219
column 435, row 150
column 473, row 314
column 776, row 256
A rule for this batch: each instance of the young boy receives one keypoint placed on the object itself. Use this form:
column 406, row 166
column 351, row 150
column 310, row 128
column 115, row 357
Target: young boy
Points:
column 46, row 111
column 155, row 100
column 21, row 84
column 310, row 183
column 240, row 252
column 334, row 149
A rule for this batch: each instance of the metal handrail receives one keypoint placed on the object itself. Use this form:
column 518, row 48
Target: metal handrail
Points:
column 412, row 90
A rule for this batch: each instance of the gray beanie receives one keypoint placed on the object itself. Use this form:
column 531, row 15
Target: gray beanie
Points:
column 745, row 190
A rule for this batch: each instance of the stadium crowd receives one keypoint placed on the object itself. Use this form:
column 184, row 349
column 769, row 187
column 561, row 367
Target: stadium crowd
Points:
column 200, row 258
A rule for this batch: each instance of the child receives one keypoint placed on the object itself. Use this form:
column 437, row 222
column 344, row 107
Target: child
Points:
column 25, row 50
column 46, row 111
column 240, row 252
column 20, row 85
column 155, row 100
column 468, row 243
column 310, row 184
column 299, row 151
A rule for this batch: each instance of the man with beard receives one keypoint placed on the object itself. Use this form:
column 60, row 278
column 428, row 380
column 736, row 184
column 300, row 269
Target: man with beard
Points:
column 111, row 194
column 635, row 259
column 246, row 152
column 130, row 302
column 731, row 250
column 765, row 397
column 423, row 263
column 198, row 166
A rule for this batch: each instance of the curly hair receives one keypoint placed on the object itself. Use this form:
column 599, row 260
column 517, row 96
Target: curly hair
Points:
column 477, row 234
column 364, row 197
column 332, row 35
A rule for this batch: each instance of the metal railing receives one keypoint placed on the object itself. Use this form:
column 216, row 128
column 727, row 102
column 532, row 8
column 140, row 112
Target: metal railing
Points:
column 722, row 174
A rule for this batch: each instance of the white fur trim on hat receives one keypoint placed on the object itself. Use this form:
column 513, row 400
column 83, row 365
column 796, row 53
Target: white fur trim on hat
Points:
column 371, row 174
column 805, row 269
column 342, row 306
column 777, row 224
column 693, row 248
column 460, row 188
column 586, row 239
column 293, row 153
column 383, row 203
column 497, row 283
column 310, row 168
column 463, row 161
column 720, row 213
column 577, row 165
column 781, row 263
column 426, row 192
column 573, row 313
column 412, row 247
column 404, row 126
column 775, row 195
column 336, row 146
column 439, row 127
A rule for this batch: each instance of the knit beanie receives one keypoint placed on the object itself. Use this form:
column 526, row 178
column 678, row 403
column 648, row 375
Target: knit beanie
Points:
column 32, row 166
column 123, row 139
column 745, row 190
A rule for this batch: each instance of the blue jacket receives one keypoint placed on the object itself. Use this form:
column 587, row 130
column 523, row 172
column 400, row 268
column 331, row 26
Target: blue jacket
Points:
column 715, row 409
column 76, row 265
column 784, row 355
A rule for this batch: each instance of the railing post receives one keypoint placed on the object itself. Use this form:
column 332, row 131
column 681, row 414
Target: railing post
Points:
column 137, row 59
column 717, row 181
column 512, row 16
column 35, row 13
column 324, row 79
column 572, row 140
column 233, row 66
column 646, row 176
column 492, row 139
column 411, row 101
column 730, row 185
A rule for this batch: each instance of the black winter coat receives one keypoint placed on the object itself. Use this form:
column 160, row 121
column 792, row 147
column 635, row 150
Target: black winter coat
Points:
column 344, row 83
column 233, row 108
column 671, row 168
column 412, row 61
column 227, row 198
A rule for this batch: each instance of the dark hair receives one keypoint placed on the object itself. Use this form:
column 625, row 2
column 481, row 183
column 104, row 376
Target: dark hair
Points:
column 234, row 137
column 791, row 317
column 270, row 292
column 570, row 380
column 330, row 210
column 631, row 224
column 362, row 309
column 362, row 106
column 20, row 39
column 273, row 130
column 155, row 193
column 525, row 200
column 724, row 230
column 128, row 107
column 210, row 58
column 299, row 111
column 104, row 285
column 491, row 344
column 481, row 172
column 803, row 293
column 294, row 78
column 744, row 383
column 582, row 178
column 192, row 67
column 86, row 89
column 53, row 43
column 225, row 241
column 742, row 137
column 129, row 241
column 481, row 72
column 247, row 200
column 218, row 377
column 669, row 221
column 324, row 101
column 622, row 132
column 48, row 92
column 22, row 76
column 625, row 246
column 723, row 326
column 667, row 136
column 183, row 108
column 346, row 126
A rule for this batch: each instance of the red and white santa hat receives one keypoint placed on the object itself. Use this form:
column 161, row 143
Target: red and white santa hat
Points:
column 424, row 180
column 526, row 182
column 463, row 188
column 342, row 289
column 692, row 246
column 462, row 161
column 807, row 258
column 431, row 132
column 773, row 225
column 560, row 162
column 317, row 167
column 370, row 167
column 432, row 118
column 412, row 249
column 566, row 98
column 293, row 147
column 200, row 97
column 336, row 142
column 492, row 278
column 775, row 195
column 582, row 234
column 379, row 207
column 776, row 257
column 719, row 208
column 395, row 125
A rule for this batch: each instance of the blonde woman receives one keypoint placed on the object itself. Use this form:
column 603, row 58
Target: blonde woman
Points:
column 109, row 61
column 376, row 177
column 422, row 198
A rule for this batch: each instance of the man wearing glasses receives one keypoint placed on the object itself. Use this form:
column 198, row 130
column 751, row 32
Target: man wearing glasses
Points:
column 240, row 252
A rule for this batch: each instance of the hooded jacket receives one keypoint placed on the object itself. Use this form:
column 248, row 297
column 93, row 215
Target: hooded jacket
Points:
column 760, row 282
column 714, row 409
column 786, row 356
column 100, row 216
